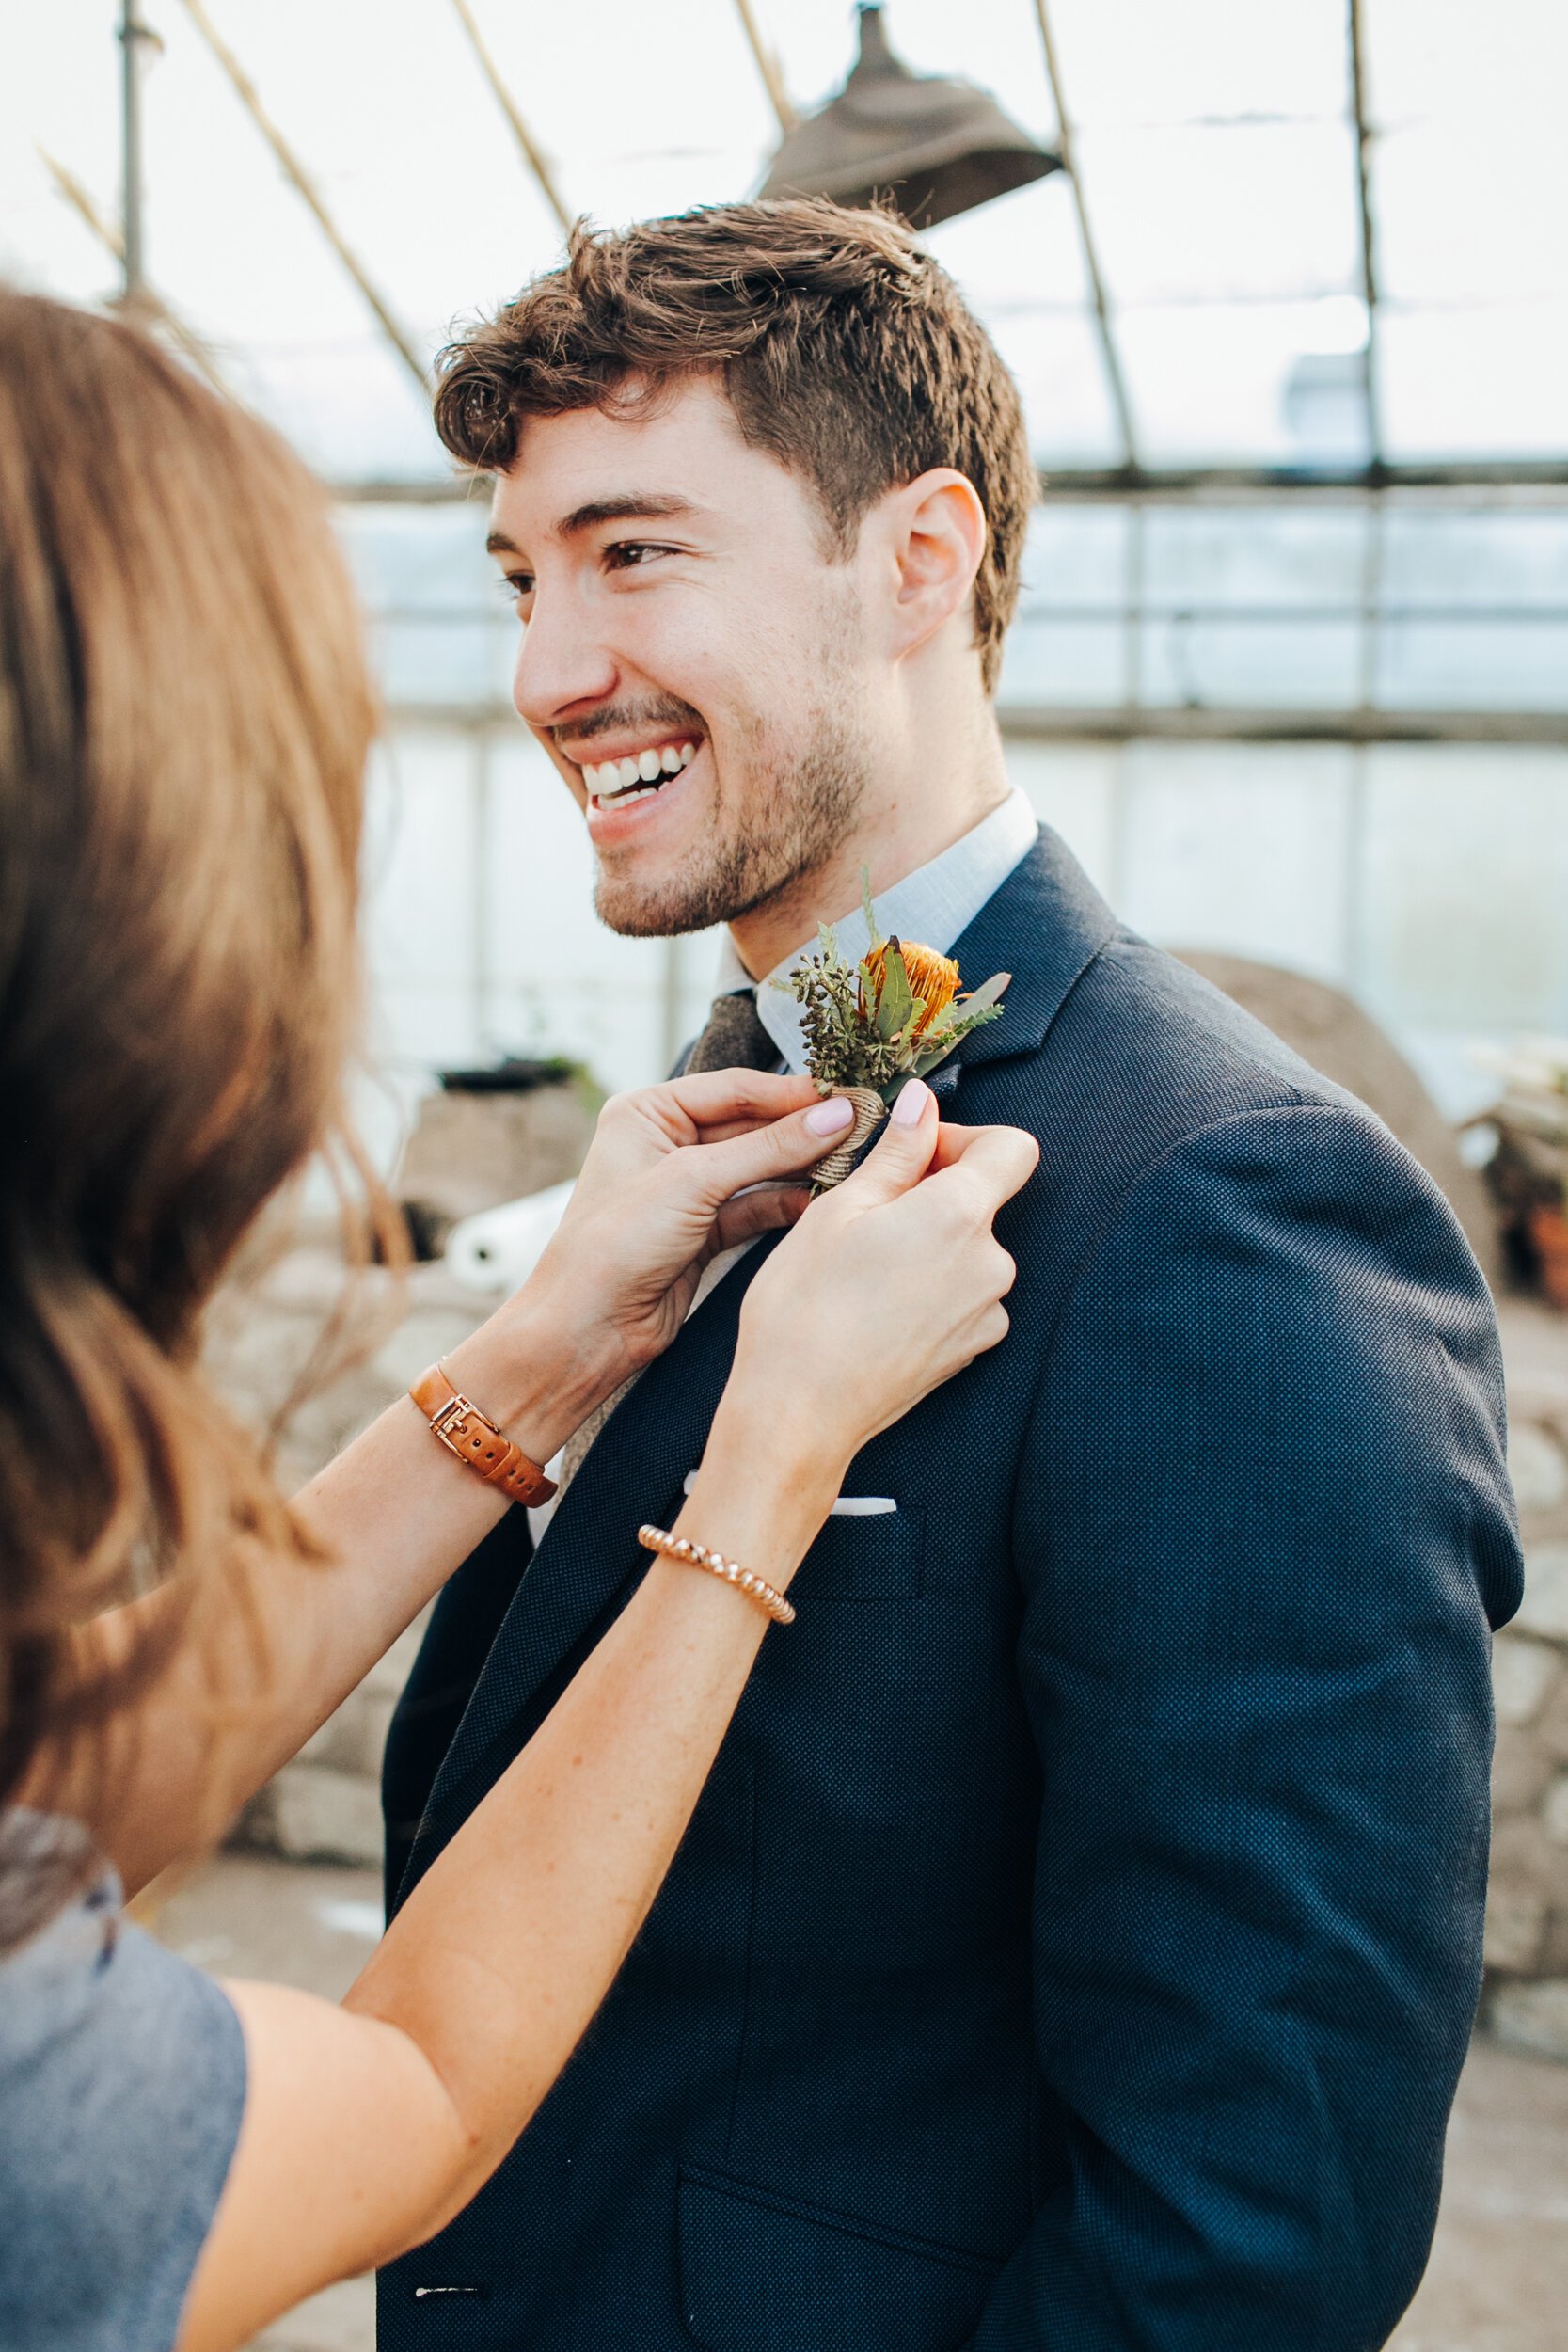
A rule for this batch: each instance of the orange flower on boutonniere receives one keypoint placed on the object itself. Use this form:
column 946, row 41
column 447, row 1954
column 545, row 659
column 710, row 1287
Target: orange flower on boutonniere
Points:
column 932, row 979
column 871, row 1028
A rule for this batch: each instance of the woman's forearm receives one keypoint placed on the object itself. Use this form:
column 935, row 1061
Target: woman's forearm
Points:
column 396, row 1513
column 368, row 2127
column 499, row 1958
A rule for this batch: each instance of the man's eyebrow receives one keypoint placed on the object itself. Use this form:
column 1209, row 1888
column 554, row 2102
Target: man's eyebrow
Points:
column 630, row 507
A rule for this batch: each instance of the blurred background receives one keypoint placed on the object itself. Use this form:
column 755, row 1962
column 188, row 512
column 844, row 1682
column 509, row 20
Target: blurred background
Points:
column 1291, row 669
column 1285, row 287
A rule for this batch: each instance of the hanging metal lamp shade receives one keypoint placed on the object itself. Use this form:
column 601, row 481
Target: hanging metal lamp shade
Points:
column 934, row 147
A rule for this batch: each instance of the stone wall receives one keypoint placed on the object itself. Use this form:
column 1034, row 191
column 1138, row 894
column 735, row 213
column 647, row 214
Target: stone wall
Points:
column 1527, row 1912
column 326, row 1805
column 468, row 1153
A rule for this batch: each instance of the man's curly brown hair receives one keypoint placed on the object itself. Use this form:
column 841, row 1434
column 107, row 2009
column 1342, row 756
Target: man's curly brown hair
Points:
column 846, row 353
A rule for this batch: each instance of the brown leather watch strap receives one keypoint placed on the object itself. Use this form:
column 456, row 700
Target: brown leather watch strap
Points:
column 469, row 1434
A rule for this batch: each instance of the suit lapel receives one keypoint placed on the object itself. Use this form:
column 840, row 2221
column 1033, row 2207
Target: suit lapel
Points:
column 1045, row 925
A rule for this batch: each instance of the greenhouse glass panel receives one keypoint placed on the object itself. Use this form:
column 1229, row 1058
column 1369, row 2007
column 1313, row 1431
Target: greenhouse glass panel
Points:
column 408, row 559
column 1056, row 359
column 1126, row 62
column 1240, row 847
column 1310, row 662
column 1077, row 556
column 637, row 111
column 1464, row 883
column 1022, row 253
column 1055, row 659
column 1069, row 643
column 1431, row 57
column 1255, row 555
column 1482, row 558
column 1242, row 381
column 1477, row 382
column 1487, row 662
column 1075, row 788
column 423, row 865
column 1490, row 230
column 1242, row 212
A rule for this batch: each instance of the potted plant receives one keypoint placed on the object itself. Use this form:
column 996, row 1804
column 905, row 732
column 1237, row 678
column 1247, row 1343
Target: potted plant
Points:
column 1528, row 1170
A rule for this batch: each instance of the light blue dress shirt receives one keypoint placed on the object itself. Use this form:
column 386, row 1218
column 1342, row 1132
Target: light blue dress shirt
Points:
column 935, row 905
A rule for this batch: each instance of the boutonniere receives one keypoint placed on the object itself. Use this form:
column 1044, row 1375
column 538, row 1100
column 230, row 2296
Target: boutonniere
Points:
column 870, row 1028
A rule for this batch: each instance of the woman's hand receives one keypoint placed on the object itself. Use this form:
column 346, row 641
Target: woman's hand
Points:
column 676, row 1174
column 892, row 1284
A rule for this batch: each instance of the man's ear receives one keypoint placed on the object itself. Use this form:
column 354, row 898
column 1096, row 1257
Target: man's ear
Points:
column 939, row 538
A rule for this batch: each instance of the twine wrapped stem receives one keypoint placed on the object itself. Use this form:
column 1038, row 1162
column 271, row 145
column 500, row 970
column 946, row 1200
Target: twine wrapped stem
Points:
column 870, row 1111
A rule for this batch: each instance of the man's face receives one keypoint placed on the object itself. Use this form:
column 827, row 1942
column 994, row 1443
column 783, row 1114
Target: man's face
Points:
column 692, row 658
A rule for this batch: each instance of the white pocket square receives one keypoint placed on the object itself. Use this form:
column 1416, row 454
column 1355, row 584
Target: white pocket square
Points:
column 844, row 1506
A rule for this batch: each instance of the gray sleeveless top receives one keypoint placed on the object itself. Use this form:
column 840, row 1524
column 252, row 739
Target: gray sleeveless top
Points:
column 122, row 2085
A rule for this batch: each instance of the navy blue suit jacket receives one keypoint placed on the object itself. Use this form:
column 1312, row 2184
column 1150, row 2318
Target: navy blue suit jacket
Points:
column 1077, row 1942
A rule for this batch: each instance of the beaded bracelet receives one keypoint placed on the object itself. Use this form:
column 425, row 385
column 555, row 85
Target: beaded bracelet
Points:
column 746, row 1580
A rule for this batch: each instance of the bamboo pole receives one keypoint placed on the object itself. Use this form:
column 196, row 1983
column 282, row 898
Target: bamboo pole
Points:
column 142, row 296
column 134, row 37
column 767, row 66
column 532, row 153
column 1371, row 369
column 1067, row 147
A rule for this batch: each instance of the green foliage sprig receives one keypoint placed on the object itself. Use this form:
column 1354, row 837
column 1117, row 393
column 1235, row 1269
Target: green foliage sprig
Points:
column 865, row 1025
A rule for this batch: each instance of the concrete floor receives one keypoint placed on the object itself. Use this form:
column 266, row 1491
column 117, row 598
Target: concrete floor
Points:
column 1499, row 2275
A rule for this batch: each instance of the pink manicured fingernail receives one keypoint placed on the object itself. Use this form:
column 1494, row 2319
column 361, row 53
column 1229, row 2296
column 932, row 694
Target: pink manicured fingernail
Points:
column 909, row 1109
column 829, row 1116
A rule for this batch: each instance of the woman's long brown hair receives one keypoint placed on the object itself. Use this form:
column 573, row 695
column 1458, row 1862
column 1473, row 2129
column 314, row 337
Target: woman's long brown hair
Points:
column 185, row 716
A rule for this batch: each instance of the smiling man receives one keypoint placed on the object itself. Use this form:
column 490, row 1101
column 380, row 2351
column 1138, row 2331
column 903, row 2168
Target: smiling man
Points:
column 1077, row 1942
column 696, row 654
column 708, row 781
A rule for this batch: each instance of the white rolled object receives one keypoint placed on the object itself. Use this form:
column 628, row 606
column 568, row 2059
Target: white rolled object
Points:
column 497, row 1249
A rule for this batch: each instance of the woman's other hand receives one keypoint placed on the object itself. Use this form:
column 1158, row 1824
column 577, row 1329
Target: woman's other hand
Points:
column 892, row 1283
column 676, row 1174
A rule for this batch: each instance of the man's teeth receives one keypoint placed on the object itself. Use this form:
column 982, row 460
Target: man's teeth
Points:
column 635, row 778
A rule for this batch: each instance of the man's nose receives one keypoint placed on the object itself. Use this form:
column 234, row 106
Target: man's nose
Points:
column 561, row 663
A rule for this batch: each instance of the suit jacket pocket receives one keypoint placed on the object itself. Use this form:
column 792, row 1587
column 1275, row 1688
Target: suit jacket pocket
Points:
column 875, row 1556
column 766, row 2273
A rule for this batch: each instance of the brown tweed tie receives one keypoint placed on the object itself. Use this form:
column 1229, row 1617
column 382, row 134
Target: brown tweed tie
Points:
column 733, row 1039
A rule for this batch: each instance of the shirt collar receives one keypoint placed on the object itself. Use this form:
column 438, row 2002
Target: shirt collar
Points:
column 934, row 905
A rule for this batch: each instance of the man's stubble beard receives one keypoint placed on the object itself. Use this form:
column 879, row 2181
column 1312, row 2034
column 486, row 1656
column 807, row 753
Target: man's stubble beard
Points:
column 794, row 815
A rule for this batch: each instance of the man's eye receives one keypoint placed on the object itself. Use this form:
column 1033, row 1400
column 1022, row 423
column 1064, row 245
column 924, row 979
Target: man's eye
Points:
column 516, row 585
column 628, row 554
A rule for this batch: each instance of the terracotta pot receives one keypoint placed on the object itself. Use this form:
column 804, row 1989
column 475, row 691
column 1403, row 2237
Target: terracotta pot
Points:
column 1548, row 1232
